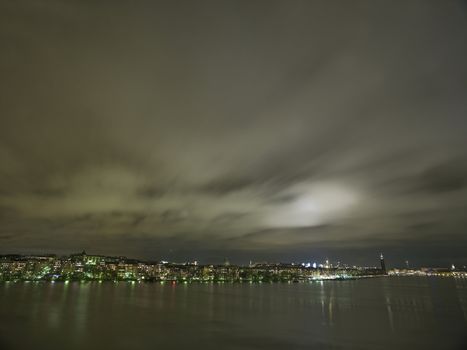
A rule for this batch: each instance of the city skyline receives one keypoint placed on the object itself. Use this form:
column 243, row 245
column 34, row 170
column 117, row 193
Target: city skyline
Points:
column 263, row 130
column 308, row 262
column 84, row 267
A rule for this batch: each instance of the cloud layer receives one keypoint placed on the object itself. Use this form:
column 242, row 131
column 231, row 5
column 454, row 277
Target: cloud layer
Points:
column 254, row 130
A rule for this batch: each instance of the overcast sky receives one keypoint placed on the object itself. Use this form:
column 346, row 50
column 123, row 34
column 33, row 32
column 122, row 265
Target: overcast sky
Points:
column 252, row 130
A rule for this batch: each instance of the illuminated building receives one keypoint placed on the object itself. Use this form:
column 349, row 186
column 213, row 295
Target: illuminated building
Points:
column 383, row 264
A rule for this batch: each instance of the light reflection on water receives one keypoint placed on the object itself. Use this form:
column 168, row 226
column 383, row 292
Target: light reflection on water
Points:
column 377, row 313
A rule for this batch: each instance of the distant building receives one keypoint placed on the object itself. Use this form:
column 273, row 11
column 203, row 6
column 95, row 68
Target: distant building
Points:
column 383, row 264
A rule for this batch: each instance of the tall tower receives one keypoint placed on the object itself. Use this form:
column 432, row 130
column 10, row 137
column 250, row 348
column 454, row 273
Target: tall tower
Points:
column 383, row 265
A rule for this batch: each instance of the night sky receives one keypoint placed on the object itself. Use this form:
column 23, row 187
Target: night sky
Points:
column 252, row 130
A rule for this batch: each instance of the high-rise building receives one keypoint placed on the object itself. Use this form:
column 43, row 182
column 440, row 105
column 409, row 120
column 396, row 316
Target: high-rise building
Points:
column 383, row 264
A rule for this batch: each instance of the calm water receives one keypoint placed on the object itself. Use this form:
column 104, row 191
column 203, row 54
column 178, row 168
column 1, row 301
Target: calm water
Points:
column 379, row 313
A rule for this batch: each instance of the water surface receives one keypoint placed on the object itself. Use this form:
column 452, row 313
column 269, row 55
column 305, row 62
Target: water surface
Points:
column 376, row 313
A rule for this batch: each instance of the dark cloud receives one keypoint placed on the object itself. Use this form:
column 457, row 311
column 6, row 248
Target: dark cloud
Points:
column 226, row 185
column 151, row 192
column 253, row 129
column 445, row 177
